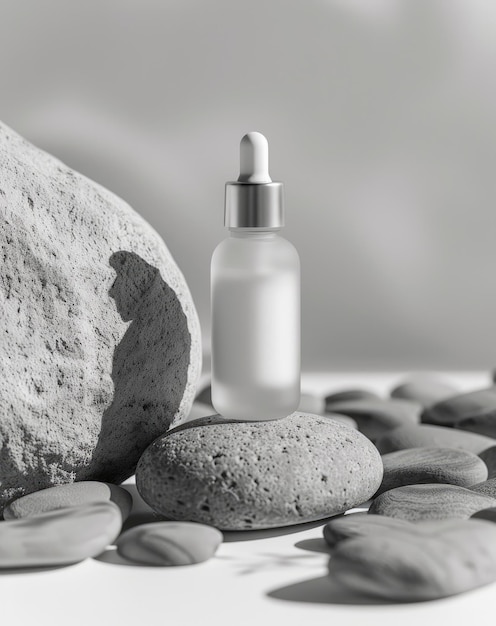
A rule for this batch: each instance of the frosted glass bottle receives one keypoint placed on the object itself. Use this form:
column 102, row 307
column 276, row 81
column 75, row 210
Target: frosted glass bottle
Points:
column 255, row 308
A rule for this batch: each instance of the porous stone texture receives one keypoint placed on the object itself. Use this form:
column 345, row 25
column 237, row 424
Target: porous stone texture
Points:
column 249, row 475
column 431, row 465
column 59, row 537
column 169, row 543
column 72, row 494
column 487, row 487
column 430, row 502
column 425, row 435
column 425, row 561
column 100, row 338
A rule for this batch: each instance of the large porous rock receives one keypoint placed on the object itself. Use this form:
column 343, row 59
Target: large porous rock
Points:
column 100, row 338
column 249, row 475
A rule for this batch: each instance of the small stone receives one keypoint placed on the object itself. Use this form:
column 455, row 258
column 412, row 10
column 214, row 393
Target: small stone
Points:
column 403, row 564
column 425, row 390
column 59, row 537
column 347, row 395
column 475, row 405
column 342, row 419
column 375, row 416
column 359, row 525
column 250, row 475
column 489, row 457
column 63, row 496
column 487, row 514
column 430, row 502
column 431, row 465
column 427, row 436
column 487, row 487
column 169, row 543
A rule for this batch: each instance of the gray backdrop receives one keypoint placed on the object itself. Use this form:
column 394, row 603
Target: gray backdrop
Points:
column 381, row 116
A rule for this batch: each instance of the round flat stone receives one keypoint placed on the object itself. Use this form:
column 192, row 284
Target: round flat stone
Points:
column 375, row 416
column 426, row 390
column 249, row 475
column 408, row 564
column 169, row 543
column 359, row 525
column 347, row 395
column 489, row 457
column 59, row 537
column 72, row 494
column 431, row 465
column 430, row 502
column 475, row 405
column 487, row 514
column 425, row 435
column 342, row 419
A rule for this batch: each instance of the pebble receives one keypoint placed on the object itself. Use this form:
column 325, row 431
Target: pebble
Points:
column 489, row 457
column 251, row 475
column 342, row 419
column 431, row 465
column 477, row 406
column 487, row 514
column 424, row 435
column 430, row 502
column 59, row 537
column 347, row 395
column 359, row 525
column 425, row 390
column 409, row 564
column 169, row 543
column 487, row 487
column 72, row 494
column 375, row 416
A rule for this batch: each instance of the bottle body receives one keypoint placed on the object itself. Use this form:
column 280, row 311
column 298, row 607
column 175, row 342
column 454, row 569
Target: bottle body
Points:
column 255, row 312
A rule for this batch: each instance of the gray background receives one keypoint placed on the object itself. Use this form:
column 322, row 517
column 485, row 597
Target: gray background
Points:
column 381, row 117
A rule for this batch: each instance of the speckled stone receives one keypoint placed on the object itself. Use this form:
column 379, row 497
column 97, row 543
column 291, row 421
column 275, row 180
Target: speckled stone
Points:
column 101, row 346
column 169, row 543
column 359, row 525
column 430, row 502
column 487, row 487
column 489, row 457
column 475, row 407
column 431, row 465
column 375, row 416
column 59, row 537
column 441, row 559
column 347, row 395
column 249, row 475
column 427, row 436
column 426, row 390
column 63, row 496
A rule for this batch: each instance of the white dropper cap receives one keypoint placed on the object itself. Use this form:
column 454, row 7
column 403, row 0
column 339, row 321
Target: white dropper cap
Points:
column 254, row 200
column 254, row 159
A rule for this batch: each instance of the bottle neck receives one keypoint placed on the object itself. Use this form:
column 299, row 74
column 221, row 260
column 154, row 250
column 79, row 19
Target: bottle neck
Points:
column 258, row 233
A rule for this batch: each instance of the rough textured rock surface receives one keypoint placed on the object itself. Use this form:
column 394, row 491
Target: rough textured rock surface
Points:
column 420, row 562
column 100, row 338
column 427, row 436
column 63, row 496
column 431, row 465
column 487, row 487
column 169, row 543
column 59, row 537
column 430, row 502
column 489, row 457
column 240, row 475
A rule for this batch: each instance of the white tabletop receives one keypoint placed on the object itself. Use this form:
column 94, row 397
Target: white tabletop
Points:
column 256, row 578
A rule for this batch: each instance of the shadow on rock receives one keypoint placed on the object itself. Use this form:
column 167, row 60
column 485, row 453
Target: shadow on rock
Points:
column 149, row 369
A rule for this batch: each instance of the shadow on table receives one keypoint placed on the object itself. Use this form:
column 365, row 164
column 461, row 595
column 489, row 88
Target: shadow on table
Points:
column 34, row 570
column 268, row 533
